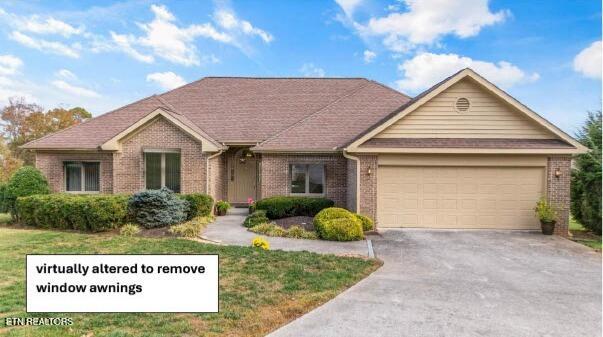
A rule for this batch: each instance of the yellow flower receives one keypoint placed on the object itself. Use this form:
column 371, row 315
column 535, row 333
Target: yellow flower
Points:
column 260, row 242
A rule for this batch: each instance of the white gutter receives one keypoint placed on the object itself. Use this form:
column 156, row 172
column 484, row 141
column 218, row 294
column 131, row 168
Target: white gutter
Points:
column 357, row 160
column 207, row 169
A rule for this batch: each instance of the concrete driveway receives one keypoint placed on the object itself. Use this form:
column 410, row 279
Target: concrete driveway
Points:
column 467, row 283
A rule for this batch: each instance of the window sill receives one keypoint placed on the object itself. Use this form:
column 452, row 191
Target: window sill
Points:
column 307, row 194
column 83, row 192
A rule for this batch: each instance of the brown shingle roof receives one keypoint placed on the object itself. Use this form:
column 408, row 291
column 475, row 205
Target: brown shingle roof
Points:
column 479, row 143
column 338, row 123
column 233, row 109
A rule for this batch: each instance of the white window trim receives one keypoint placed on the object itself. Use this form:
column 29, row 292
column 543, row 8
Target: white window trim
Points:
column 162, row 176
column 83, row 176
column 307, row 187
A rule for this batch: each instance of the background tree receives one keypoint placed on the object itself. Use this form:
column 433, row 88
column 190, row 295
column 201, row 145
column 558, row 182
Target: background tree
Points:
column 23, row 122
column 8, row 163
column 586, row 176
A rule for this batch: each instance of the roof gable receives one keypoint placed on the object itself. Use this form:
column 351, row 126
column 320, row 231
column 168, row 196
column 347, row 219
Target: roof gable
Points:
column 208, row 144
column 395, row 125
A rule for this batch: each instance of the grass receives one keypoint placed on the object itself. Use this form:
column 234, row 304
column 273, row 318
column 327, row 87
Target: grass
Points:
column 583, row 236
column 259, row 290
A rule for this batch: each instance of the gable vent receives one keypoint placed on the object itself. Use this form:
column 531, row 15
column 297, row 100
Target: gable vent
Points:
column 462, row 104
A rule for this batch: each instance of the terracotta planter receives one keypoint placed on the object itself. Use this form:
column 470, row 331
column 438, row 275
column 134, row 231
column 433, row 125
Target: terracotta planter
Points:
column 548, row 227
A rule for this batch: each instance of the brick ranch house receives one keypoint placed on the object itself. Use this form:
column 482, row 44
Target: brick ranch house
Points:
column 463, row 154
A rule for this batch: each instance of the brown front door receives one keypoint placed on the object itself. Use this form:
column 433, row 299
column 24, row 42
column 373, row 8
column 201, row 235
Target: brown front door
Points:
column 242, row 179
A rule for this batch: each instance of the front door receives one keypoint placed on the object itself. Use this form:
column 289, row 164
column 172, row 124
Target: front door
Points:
column 242, row 180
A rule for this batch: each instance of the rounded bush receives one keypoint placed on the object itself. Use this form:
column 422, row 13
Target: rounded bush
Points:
column 260, row 242
column 367, row 223
column 285, row 206
column 342, row 229
column 129, row 230
column 3, row 205
column 338, row 224
column 255, row 218
column 26, row 181
column 198, row 204
column 157, row 208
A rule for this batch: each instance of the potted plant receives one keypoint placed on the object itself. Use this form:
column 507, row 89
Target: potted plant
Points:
column 547, row 215
column 250, row 205
column 222, row 207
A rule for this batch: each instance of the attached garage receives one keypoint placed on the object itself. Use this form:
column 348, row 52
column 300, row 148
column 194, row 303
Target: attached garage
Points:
column 463, row 154
column 451, row 196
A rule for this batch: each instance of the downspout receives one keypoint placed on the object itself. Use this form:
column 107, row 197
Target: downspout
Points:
column 207, row 169
column 357, row 160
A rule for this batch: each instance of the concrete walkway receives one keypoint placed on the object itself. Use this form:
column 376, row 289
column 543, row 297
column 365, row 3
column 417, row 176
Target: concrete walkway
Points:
column 466, row 283
column 228, row 230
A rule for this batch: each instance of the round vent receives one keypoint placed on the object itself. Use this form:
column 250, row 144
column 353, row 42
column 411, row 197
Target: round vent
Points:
column 462, row 104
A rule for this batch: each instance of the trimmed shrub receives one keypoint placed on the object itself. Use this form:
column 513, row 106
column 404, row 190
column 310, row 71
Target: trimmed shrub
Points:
column 26, row 181
column 367, row 223
column 255, row 218
column 338, row 224
column 157, row 208
column 82, row 212
column 342, row 229
column 129, row 230
column 285, row 206
column 198, row 204
column 260, row 242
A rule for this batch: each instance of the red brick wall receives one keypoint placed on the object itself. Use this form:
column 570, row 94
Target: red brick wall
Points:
column 160, row 134
column 275, row 175
column 558, row 190
column 351, row 183
column 217, row 177
column 51, row 165
column 368, row 186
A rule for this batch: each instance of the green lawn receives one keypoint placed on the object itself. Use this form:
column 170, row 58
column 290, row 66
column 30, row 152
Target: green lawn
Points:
column 583, row 236
column 259, row 290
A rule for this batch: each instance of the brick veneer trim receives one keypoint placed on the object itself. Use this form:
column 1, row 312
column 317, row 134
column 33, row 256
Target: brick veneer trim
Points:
column 558, row 190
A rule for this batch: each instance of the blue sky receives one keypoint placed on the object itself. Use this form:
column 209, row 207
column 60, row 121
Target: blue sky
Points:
column 104, row 54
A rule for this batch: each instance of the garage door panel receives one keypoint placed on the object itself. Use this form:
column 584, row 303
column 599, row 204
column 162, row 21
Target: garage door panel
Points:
column 459, row 197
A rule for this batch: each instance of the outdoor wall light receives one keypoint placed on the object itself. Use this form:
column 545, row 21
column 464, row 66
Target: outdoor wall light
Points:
column 368, row 171
column 557, row 173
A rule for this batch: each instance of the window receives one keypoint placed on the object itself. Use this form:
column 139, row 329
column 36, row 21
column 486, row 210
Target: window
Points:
column 162, row 169
column 82, row 177
column 307, row 179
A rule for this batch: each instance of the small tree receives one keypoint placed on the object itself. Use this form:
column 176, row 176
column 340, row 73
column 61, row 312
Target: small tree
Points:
column 28, row 180
column 586, row 177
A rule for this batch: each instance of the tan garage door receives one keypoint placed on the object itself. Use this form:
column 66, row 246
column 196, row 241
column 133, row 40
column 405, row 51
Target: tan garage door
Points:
column 459, row 197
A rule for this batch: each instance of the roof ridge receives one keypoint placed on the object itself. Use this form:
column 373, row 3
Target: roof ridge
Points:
column 391, row 89
column 347, row 94
column 290, row 77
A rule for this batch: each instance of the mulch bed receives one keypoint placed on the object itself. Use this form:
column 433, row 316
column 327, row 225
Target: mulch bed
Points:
column 161, row 232
column 304, row 221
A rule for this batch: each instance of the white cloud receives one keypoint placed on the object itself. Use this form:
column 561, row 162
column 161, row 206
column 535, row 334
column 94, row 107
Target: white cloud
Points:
column 167, row 80
column 310, row 70
column 427, row 69
column 37, row 25
column 348, row 6
column 9, row 64
column 74, row 90
column 45, row 46
column 588, row 61
column 427, row 21
column 66, row 74
column 124, row 43
column 369, row 56
column 229, row 21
